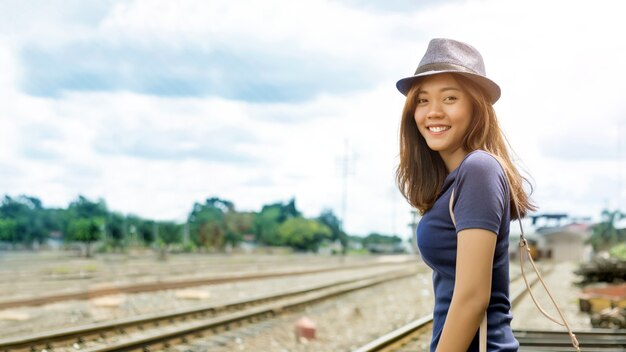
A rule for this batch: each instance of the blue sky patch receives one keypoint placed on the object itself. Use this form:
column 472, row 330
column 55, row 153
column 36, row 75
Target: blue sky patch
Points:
column 192, row 72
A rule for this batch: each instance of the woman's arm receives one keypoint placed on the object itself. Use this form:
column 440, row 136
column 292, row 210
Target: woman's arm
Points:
column 472, row 289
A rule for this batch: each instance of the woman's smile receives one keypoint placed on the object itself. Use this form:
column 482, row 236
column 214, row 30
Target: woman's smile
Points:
column 438, row 129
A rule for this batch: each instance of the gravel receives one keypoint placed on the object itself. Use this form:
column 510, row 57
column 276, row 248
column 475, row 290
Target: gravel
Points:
column 342, row 324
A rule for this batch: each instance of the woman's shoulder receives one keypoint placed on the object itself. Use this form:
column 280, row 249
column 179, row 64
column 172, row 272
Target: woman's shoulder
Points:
column 481, row 162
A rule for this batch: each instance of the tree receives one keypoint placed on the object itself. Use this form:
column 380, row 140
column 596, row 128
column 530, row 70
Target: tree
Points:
column 329, row 219
column 169, row 233
column 207, row 224
column 266, row 224
column 27, row 214
column 86, row 222
column 8, row 231
column 271, row 216
column 84, row 208
column 605, row 235
column 55, row 219
column 303, row 234
column 87, row 231
column 141, row 229
column 115, row 230
column 237, row 225
column 378, row 243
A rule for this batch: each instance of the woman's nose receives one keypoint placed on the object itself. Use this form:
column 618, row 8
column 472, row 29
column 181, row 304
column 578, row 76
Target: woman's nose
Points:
column 434, row 112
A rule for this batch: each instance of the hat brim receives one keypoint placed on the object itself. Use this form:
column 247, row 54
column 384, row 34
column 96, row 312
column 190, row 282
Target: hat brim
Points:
column 490, row 87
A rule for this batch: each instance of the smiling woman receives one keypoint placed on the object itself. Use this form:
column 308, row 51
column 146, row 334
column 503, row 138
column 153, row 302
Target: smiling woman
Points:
column 454, row 162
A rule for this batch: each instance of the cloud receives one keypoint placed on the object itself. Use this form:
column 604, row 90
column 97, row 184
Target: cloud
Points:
column 53, row 18
column 178, row 53
column 11, row 176
column 262, row 181
column 400, row 6
column 263, row 76
column 216, row 145
column 41, row 141
column 584, row 143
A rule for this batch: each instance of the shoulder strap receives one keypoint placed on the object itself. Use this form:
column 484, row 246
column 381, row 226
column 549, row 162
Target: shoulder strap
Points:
column 523, row 244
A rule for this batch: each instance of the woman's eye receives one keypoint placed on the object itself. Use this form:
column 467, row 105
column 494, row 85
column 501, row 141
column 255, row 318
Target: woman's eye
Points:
column 450, row 99
column 421, row 100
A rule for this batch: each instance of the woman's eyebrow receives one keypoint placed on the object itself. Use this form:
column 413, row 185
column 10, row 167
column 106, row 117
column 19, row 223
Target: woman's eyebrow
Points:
column 440, row 90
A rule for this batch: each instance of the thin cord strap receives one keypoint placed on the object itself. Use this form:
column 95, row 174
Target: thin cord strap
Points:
column 482, row 334
column 524, row 244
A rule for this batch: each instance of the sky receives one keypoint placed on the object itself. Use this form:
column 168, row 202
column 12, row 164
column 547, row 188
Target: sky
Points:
column 155, row 105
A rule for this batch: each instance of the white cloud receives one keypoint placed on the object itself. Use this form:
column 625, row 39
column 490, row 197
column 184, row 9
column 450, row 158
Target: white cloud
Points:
column 558, row 63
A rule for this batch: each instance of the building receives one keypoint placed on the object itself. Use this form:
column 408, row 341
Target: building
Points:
column 554, row 237
column 565, row 243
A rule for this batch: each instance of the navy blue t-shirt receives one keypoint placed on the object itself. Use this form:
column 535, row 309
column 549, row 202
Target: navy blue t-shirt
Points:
column 481, row 200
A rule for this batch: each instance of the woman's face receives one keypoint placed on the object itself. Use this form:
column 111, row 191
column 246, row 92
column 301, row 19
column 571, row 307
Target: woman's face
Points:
column 443, row 114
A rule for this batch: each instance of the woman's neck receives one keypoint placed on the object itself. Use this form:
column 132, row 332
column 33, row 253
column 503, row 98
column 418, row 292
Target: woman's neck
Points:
column 453, row 160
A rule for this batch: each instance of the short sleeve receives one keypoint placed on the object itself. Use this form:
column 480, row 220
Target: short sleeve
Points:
column 480, row 192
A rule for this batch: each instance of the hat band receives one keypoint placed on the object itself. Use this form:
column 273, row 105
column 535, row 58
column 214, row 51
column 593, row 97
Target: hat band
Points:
column 443, row 67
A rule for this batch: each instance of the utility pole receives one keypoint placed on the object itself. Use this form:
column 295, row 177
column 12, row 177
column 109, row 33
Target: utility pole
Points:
column 155, row 231
column 620, row 164
column 393, row 211
column 346, row 170
column 186, row 233
column 413, row 226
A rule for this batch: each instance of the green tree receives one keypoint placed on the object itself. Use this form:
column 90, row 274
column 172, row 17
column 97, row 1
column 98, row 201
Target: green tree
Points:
column 271, row 216
column 605, row 235
column 207, row 224
column 55, row 219
column 378, row 243
column 86, row 221
column 141, row 229
column 169, row 234
column 303, row 234
column 329, row 219
column 237, row 224
column 27, row 214
column 87, row 231
column 115, row 229
column 266, row 224
column 85, row 208
column 8, row 231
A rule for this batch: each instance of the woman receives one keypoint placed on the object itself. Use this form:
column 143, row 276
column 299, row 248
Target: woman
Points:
column 454, row 164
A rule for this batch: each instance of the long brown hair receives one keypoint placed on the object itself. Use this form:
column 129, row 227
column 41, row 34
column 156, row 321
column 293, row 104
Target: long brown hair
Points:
column 422, row 172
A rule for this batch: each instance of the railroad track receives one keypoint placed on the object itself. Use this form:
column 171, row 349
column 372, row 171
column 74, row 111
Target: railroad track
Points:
column 160, row 331
column 16, row 287
column 168, row 285
column 107, row 271
column 401, row 338
column 596, row 340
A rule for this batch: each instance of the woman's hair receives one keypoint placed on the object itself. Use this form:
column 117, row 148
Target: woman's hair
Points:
column 421, row 172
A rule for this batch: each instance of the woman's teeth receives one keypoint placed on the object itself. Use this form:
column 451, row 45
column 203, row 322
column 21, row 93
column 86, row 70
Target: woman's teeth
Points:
column 438, row 128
